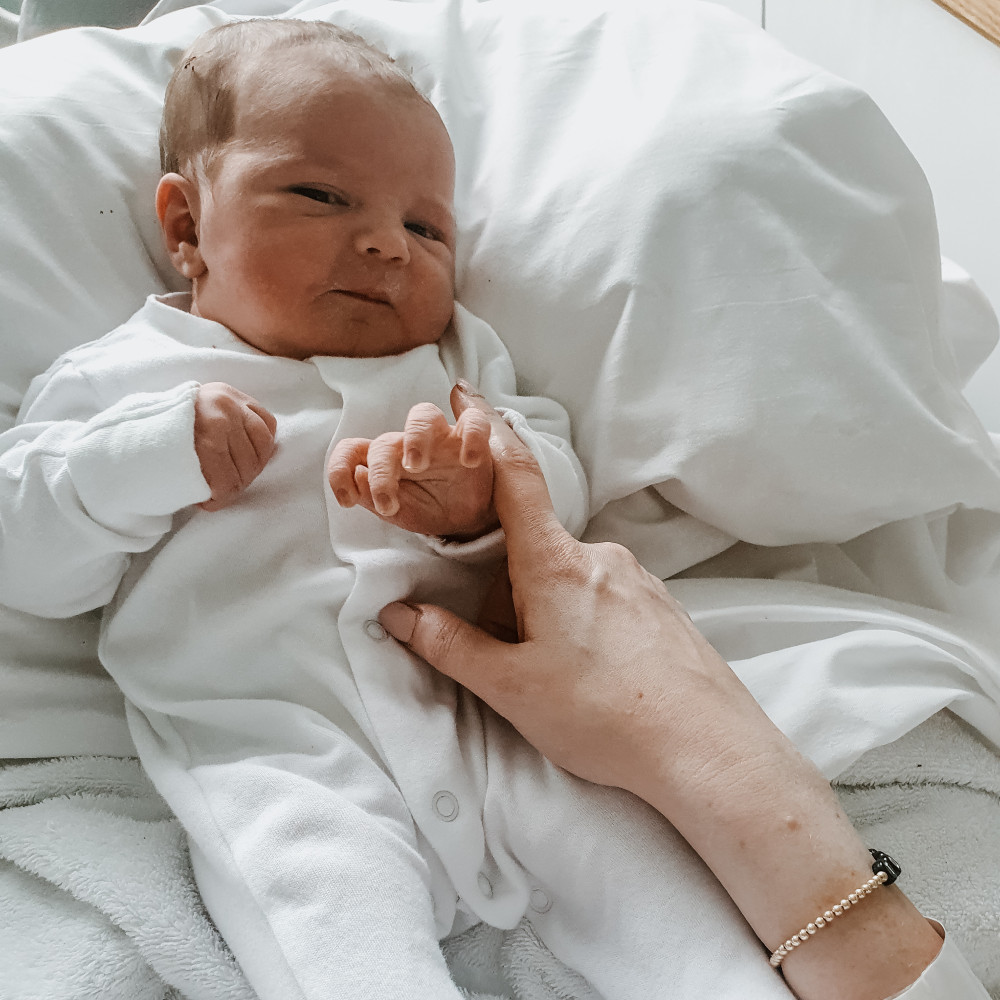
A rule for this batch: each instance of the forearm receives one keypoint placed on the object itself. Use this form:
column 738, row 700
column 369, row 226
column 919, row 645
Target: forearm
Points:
column 786, row 852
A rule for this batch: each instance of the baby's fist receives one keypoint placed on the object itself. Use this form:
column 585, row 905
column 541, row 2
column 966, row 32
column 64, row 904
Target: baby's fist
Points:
column 433, row 478
column 233, row 437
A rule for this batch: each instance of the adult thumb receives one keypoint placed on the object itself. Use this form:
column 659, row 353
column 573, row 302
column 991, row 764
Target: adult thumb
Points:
column 450, row 644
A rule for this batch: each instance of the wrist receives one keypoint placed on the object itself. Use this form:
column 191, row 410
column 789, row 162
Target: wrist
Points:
column 485, row 550
column 137, row 458
column 473, row 535
column 485, row 524
column 772, row 830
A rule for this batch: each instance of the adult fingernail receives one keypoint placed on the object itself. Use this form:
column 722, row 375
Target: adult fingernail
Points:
column 385, row 504
column 399, row 620
column 468, row 388
column 412, row 460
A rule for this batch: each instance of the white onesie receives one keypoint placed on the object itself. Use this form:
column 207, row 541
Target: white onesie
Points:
column 340, row 796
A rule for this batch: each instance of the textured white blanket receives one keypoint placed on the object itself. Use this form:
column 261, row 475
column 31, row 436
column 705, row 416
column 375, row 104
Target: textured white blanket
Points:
column 933, row 798
column 97, row 897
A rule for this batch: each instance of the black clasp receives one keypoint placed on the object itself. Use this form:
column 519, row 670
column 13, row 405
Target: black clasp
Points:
column 883, row 863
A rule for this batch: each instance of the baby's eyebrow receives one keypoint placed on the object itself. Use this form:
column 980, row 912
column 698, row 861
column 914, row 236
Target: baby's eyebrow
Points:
column 446, row 209
column 279, row 160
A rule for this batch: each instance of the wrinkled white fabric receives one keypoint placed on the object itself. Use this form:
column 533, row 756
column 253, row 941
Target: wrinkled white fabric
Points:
column 758, row 216
column 340, row 795
column 723, row 262
column 841, row 673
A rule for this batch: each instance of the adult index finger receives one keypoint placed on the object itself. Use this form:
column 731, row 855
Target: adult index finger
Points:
column 520, row 495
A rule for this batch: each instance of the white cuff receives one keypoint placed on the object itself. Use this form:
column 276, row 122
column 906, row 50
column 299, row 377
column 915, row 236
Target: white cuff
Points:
column 948, row 977
column 137, row 458
column 485, row 548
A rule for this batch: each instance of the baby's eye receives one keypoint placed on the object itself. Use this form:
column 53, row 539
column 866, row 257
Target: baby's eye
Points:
column 318, row 194
column 427, row 232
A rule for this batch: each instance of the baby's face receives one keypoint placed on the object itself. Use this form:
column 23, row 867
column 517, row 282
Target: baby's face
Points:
column 327, row 228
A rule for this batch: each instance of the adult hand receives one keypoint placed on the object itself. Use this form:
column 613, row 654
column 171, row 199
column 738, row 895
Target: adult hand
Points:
column 592, row 606
column 612, row 681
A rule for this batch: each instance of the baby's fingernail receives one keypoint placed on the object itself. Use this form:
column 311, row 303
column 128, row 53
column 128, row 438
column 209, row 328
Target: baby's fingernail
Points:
column 343, row 497
column 399, row 620
column 411, row 460
column 468, row 388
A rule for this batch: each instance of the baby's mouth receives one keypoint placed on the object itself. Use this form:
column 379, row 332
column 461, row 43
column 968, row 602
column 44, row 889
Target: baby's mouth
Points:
column 364, row 296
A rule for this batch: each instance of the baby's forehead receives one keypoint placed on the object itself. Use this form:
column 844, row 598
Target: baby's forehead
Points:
column 281, row 78
column 270, row 90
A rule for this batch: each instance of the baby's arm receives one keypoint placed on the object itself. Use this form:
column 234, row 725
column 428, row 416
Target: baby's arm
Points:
column 431, row 478
column 83, row 485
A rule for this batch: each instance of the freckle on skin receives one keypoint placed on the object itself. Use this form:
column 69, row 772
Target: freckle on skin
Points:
column 792, row 823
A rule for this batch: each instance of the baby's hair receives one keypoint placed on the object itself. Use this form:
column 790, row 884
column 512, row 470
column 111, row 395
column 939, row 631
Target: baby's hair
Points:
column 199, row 110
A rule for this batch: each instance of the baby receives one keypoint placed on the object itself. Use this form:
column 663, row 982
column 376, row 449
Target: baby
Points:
column 312, row 213
column 226, row 472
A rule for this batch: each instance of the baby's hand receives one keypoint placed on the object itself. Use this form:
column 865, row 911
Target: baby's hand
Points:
column 234, row 438
column 433, row 478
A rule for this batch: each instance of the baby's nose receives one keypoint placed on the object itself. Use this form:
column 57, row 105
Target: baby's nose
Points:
column 386, row 243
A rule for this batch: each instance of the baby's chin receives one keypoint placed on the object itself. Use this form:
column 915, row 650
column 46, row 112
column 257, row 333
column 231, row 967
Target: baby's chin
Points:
column 353, row 337
column 356, row 328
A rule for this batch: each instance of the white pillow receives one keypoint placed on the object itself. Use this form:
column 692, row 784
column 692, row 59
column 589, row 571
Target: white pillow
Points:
column 720, row 259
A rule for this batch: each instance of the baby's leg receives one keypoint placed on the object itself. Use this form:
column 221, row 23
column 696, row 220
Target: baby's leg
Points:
column 618, row 895
column 307, row 861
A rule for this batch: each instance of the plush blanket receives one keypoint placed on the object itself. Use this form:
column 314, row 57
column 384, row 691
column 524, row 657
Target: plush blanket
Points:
column 932, row 800
column 97, row 898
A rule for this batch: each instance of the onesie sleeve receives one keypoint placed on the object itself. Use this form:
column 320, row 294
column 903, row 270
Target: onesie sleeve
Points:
column 83, row 485
column 473, row 351
column 948, row 977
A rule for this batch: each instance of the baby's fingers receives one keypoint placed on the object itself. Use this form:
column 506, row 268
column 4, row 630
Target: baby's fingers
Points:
column 345, row 458
column 385, row 467
column 473, row 427
column 425, row 424
column 243, row 455
column 259, row 426
column 266, row 416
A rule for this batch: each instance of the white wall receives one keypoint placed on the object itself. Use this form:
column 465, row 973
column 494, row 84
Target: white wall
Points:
column 938, row 82
column 750, row 9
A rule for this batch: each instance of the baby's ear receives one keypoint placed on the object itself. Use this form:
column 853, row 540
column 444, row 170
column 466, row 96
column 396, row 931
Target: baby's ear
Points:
column 177, row 207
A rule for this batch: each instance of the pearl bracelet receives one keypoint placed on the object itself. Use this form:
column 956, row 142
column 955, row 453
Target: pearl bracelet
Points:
column 821, row 921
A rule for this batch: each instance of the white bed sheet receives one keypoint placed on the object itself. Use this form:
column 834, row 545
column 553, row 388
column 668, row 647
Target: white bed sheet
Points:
column 646, row 214
column 643, row 240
